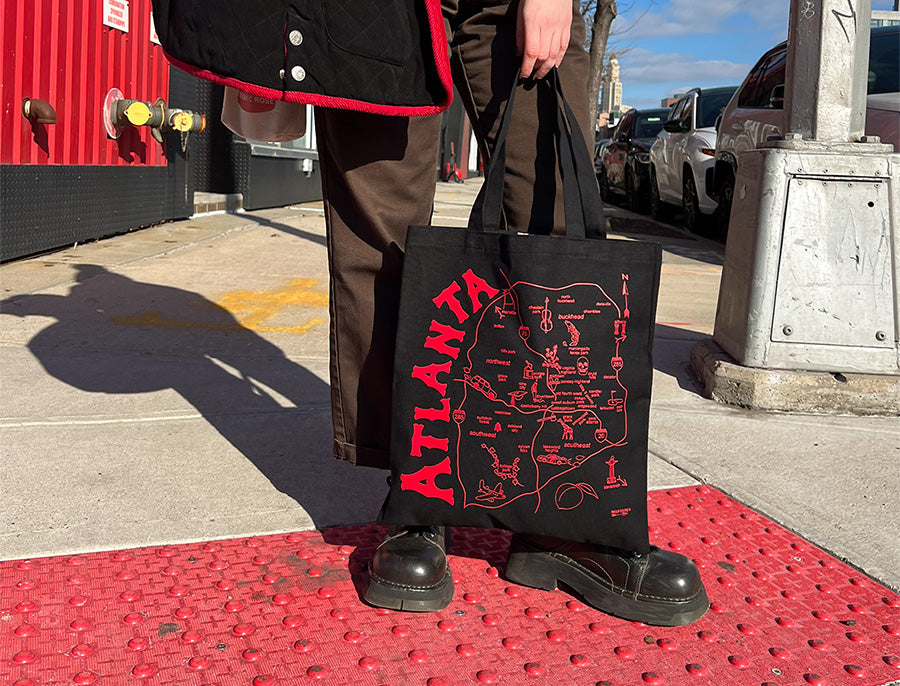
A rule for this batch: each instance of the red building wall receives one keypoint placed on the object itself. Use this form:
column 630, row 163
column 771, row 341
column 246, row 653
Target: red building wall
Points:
column 61, row 52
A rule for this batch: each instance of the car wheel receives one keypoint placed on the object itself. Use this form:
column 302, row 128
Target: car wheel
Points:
column 693, row 219
column 724, row 197
column 658, row 209
column 604, row 185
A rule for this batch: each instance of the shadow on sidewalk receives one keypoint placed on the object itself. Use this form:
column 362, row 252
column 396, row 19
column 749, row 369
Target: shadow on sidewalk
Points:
column 674, row 240
column 114, row 335
column 672, row 355
column 284, row 228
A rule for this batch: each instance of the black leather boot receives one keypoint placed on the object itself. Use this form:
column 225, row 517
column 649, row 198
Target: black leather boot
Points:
column 660, row 587
column 409, row 570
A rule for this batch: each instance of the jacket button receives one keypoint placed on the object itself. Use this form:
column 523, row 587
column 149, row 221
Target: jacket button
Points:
column 298, row 73
column 295, row 37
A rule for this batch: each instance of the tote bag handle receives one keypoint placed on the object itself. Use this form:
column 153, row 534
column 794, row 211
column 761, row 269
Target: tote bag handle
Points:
column 583, row 207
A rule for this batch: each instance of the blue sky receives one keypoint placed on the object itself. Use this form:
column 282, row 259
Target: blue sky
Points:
column 681, row 44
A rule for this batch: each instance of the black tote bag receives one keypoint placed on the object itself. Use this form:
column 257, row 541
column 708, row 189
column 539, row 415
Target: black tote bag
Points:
column 523, row 369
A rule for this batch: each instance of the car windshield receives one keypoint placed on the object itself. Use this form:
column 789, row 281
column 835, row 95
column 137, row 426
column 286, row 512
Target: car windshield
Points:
column 711, row 105
column 884, row 56
column 648, row 125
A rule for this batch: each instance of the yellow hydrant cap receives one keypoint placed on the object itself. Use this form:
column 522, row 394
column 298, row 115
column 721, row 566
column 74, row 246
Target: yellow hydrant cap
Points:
column 138, row 113
column 182, row 121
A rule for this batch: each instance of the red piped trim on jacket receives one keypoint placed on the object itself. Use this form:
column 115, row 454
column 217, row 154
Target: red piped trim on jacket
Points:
column 441, row 59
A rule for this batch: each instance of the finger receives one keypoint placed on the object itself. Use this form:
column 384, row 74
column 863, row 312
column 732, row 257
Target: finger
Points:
column 531, row 53
column 563, row 47
column 549, row 52
column 528, row 62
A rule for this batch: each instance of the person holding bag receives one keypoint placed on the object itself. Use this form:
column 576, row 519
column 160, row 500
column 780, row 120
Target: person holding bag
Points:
column 378, row 179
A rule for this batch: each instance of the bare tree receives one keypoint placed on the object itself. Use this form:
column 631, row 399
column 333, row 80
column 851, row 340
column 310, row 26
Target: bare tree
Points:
column 599, row 16
column 602, row 12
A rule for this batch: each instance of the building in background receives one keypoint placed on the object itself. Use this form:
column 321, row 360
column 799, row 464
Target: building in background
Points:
column 611, row 89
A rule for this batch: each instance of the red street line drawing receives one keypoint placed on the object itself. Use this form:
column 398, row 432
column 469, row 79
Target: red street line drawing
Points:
column 581, row 419
column 586, row 397
column 489, row 494
column 613, row 481
column 626, row 313
column 620, row 513
column 574, row 334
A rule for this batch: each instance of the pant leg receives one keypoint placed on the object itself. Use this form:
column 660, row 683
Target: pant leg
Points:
column 484, row 62
column 378, row 177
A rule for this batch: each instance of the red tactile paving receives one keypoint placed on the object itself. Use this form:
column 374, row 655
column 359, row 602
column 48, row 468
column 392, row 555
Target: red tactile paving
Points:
column 285, row 610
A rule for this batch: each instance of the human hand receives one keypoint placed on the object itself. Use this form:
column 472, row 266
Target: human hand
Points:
column 542, row 35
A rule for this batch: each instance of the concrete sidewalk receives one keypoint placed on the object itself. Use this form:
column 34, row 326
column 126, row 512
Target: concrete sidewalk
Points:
column 171, row 385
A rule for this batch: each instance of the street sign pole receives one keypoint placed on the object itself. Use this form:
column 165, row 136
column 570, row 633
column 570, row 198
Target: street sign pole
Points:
column 810, row 279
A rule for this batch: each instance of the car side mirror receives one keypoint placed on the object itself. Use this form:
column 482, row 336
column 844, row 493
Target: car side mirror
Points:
column 718, row 123
column 673, row 126
column 776, row 98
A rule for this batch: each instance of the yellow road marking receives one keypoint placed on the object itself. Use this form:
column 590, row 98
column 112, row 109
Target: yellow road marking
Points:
column 251, row 309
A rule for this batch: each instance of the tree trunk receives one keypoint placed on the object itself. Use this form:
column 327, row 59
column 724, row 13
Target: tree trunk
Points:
column 603, row 17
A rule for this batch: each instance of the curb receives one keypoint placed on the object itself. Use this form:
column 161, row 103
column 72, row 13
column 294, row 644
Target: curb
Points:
column 781, row 390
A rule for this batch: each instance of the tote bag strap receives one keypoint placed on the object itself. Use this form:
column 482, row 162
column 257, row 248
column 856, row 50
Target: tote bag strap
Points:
column 583, row 207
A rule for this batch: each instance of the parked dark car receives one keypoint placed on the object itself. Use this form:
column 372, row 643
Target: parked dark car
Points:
column 625, row 166
column 599, row 149
column 756, row 112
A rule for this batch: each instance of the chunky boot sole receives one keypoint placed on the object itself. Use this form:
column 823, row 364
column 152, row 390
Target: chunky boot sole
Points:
column 546, row 572
column 382, row 593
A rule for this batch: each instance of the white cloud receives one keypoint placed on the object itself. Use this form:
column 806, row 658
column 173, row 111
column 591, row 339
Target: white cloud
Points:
column 641, row 66
column 693, row 17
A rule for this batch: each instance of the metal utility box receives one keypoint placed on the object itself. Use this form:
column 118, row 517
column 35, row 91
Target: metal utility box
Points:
column 810, row 280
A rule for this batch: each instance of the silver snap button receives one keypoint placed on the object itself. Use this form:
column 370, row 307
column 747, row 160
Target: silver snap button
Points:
column 281, row 74
column 298, row 73
column 295, row 37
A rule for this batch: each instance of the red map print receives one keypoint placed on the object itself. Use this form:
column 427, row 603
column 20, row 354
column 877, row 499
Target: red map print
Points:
column 540, row 396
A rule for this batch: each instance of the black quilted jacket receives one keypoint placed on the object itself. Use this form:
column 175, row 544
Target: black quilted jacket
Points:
column 383, row 56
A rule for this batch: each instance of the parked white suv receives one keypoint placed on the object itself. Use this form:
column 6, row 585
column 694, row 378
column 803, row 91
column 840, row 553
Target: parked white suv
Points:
column 756, row 112
column 683, row 155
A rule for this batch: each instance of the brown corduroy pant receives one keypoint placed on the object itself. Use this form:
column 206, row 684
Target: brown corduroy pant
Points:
column 378, row 178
